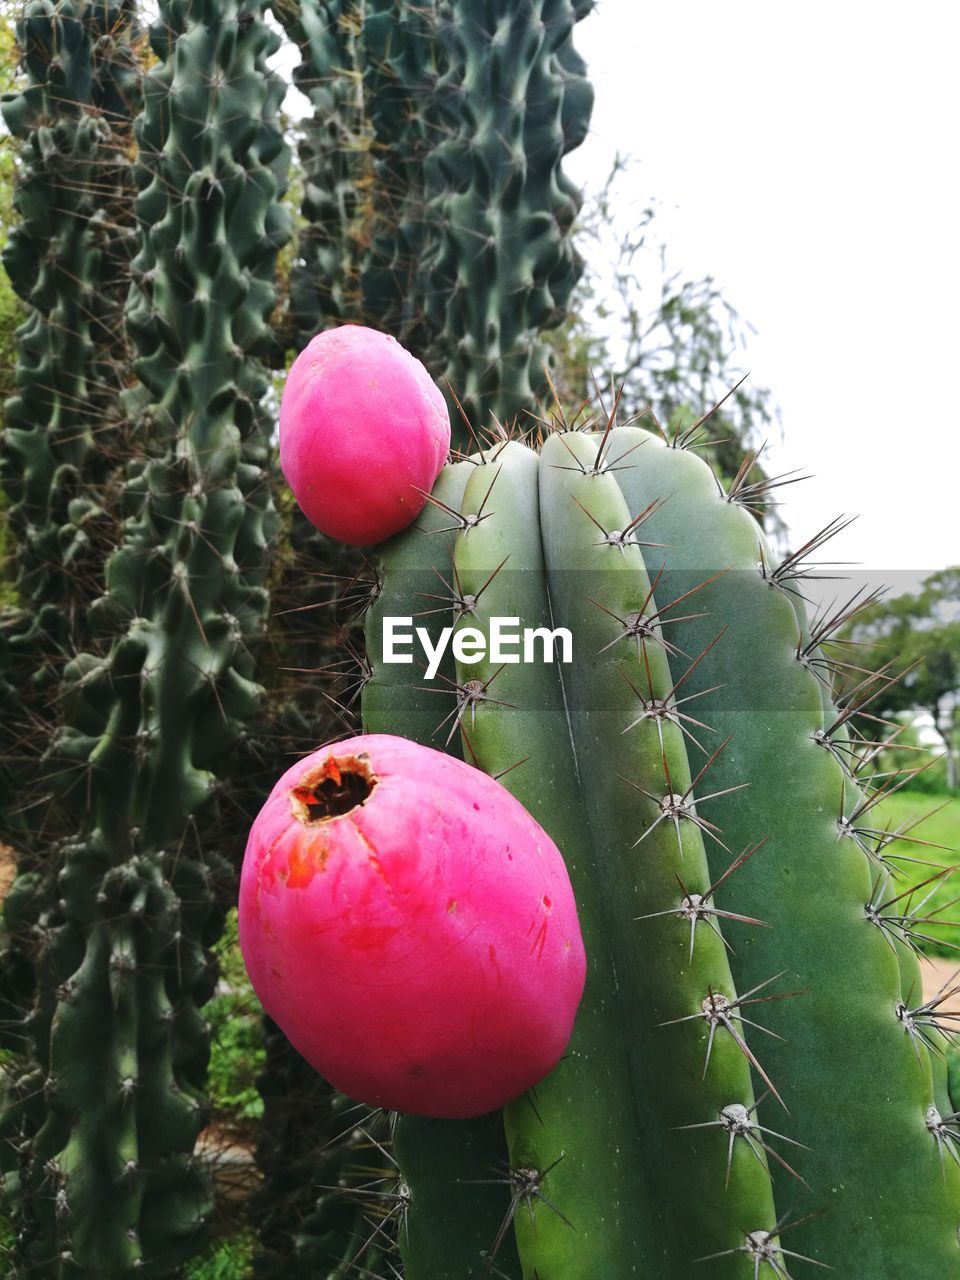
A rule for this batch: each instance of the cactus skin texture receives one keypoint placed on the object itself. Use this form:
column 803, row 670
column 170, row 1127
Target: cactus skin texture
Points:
column 158, row 702
column 634, row 1158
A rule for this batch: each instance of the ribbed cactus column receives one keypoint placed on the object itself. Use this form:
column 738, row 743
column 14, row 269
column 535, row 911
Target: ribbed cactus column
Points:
column 334, row 156
column 593, row 1168
column 152, row 714
column 68, row 258
column 463, row 214
column 751, row 1088
column 512, row 100
column 401, row 48
column 824, row 861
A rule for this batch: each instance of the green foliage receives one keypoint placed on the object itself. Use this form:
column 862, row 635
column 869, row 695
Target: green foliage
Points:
column 688, row 765
column 642, row 327
column 237, row 1054
column 229, row 1259
column 915, row 637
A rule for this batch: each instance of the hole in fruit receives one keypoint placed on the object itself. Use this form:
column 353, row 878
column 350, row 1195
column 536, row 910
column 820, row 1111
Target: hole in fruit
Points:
column 339, row 785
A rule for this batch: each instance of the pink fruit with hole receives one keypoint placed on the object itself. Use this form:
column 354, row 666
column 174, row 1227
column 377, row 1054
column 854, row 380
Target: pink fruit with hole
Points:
column 362, row 429
column 411, row 928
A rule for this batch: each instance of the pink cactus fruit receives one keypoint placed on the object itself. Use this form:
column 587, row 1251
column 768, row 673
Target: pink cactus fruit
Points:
column 411, row 928
column 362, row 429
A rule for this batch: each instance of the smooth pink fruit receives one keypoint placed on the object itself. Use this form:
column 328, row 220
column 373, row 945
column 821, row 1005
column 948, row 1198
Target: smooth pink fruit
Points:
column 362, row 428
column 411, row 928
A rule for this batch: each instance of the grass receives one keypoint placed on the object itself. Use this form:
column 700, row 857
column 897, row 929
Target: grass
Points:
column 942, row 828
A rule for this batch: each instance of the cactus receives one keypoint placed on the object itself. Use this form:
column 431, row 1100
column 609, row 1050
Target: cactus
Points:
column 500, row 267
column 333, row 153
column 461, row 214
column 68, row 258
column 64, row 438
column 156, row 704
column 752, row 1078
column 400, row 53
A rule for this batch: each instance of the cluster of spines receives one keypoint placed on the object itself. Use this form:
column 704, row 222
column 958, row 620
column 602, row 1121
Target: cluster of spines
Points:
column 821, row 1171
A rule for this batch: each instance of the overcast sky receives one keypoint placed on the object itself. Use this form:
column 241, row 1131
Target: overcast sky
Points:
column 806, row 156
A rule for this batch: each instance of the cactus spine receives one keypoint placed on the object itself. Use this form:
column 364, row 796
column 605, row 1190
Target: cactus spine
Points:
column 664, row 1135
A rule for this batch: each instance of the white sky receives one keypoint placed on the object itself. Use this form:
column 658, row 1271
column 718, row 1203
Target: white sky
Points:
column 806, row 157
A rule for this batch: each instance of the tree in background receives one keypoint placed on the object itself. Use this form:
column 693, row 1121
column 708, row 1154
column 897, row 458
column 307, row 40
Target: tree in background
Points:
column 918, row 635
column 671, row 343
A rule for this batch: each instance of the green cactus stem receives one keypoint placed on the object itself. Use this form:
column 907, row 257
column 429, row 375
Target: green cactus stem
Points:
column 461, row 209
column 746, row 1043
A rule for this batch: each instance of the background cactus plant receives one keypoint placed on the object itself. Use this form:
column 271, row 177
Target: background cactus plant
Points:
column 511, row 101
column 718, row 1099
column 63, row 442
column 68, row 257
column 459, row 225
column 159, row 699
column 334, row 158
